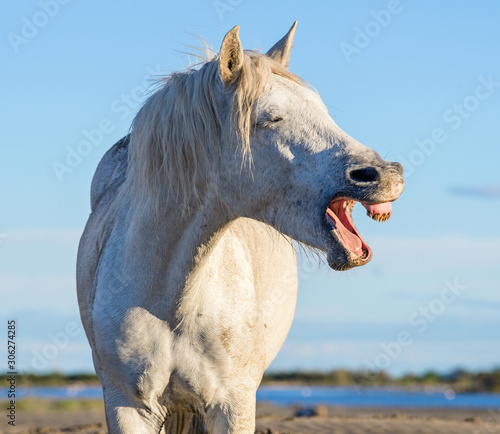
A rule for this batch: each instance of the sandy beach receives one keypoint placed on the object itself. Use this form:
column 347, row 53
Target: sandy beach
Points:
column 274, row 419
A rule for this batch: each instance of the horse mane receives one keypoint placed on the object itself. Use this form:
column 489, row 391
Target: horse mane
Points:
column 177, row 135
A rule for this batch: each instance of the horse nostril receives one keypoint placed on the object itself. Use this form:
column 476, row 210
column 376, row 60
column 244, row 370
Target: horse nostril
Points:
column 367, row 174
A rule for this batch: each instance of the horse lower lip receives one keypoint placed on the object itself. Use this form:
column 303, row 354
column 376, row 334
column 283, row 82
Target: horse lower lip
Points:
column 379, row 212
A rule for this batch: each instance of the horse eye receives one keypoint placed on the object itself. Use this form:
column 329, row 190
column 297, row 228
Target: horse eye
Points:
column 269, row 122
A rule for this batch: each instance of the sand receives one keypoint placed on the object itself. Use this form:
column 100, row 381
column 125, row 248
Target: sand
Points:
column 273, row 419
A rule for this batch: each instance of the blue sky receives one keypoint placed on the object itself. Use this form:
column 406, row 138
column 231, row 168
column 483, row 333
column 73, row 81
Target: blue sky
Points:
column 417, row 81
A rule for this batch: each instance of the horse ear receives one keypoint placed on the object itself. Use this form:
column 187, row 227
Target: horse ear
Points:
column 281, row 50
column 230, row 56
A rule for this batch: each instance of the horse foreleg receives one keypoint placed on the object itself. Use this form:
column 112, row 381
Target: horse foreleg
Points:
column 126, row 415
column 235, row 418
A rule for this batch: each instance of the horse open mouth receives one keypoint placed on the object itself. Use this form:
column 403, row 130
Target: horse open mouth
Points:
column 339, row 215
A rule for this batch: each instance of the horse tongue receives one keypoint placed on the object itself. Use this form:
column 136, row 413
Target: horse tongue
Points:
column 379, row 208
column 351, row 240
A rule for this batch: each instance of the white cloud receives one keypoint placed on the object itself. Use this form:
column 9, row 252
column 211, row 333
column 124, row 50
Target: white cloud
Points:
column 479, row 191
column 48, row 292
column 29, row 251
column 42, row 235
column 363, row 355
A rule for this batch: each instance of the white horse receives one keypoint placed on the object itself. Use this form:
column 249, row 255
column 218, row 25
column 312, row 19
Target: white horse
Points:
column 187, row 275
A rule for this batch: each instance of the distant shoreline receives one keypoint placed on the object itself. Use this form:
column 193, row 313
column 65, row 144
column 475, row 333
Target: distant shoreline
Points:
column 459, row 380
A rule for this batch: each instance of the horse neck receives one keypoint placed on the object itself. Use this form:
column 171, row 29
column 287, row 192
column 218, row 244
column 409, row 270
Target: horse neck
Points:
column 166, row 246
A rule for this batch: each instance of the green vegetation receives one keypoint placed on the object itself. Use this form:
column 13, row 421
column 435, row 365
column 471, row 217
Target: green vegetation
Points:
column 40, row 405
column 458, row 380
column 52, row 379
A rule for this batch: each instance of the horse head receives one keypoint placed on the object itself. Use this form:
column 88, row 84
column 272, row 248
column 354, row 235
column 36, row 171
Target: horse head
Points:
column 304, row 174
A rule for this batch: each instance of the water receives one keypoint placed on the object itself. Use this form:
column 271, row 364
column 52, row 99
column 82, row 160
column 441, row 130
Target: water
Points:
column 310, row 396
column 68, row 392
column 375, row 397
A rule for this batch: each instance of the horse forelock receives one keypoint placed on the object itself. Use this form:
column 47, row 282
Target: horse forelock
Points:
column 178, row 134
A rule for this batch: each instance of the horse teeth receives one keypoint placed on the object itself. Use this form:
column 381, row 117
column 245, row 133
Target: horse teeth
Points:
column 348, row 205
column 379, row 217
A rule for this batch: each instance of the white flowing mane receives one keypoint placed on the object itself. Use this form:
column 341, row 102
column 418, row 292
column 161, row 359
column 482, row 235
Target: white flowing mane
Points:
column 177, row 135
